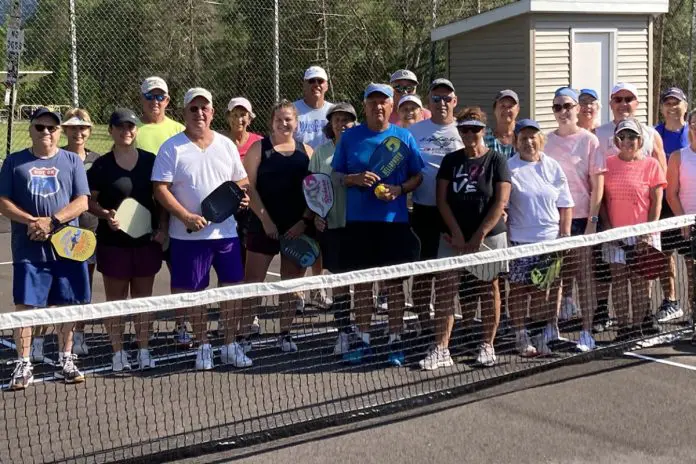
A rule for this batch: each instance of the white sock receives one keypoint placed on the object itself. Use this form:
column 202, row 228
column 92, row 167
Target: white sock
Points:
column 26, row 359
column 394, row 337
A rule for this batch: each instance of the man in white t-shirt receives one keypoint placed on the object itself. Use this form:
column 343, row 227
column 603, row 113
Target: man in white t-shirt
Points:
column 312, row 108
column 189, row 166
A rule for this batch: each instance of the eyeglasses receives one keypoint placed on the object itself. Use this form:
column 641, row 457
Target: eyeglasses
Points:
column 438, row 99
column 630, row 136
column 196, row 109
column 564, row 107
column 42, row 127
column 406, row 89
column 619, row 100
column 150, row 96
column 470, row 129
column 316, row 81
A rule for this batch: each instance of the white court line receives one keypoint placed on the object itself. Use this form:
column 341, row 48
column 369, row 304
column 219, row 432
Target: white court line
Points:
column 274, row 274
column 5, row 262
column 661, row 361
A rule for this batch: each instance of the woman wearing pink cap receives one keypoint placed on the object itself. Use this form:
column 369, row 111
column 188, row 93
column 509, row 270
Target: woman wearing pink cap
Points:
column 239, row 116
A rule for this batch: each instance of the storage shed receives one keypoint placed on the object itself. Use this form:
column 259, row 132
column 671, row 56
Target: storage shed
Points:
column 536, row 46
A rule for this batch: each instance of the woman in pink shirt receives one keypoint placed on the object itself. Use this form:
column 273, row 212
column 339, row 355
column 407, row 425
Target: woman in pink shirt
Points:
column 575, row 150
column 633, row 189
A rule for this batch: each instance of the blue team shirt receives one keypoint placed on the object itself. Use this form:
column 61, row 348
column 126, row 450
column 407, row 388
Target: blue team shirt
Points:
column 41, row 187
column 673, row 141
column 352, row 156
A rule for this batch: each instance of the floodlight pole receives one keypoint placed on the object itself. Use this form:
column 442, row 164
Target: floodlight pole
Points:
column 689, row 91
column 276, row 51
column 73, row 55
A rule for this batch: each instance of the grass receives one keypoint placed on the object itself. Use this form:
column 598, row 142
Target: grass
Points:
column 99, row 141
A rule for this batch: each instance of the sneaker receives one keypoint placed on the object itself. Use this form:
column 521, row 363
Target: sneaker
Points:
column 300, row 307
column 145, row 361
column 358, row 353
column 70, row 373
column 437, row 357
column 486, row 356
column 319, row 299
column 246, row 345
column 396, row 353
column 524, row 344
column 381, row 303
column 669, row 310
column 569, row 310
column 541, row 344
column 255, row 326
column 22, row 375
column 286, row 344
column 342, row 344
column 234, row 354
column 586, row 342
column 37, row 350
column 183, row 337
column 204, row 357
column 120, row 361
column 80, row 347
column 601, row 321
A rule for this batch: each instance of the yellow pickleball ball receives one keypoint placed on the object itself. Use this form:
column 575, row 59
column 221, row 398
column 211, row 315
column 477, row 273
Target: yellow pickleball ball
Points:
column 380, row 191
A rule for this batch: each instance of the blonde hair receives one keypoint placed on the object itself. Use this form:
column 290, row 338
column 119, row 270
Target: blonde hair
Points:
column 474, row 113
column 79, row 113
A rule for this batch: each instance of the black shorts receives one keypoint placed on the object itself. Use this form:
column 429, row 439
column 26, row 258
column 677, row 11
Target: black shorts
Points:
column 377, row 244
column 332, row 243
column 426, row 223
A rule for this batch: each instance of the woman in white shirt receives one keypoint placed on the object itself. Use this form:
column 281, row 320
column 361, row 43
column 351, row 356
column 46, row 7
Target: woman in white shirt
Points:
column 540, row 209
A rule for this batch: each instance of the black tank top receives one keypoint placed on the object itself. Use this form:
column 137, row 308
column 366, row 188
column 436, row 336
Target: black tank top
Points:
column 279, row 184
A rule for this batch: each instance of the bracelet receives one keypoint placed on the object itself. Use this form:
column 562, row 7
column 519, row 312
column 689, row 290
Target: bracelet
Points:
column 403, row 190
column 563, row 235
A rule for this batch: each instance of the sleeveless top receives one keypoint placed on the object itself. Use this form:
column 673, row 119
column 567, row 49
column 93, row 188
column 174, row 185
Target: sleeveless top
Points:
column 279, row 185
column 687, row 180
column 673, row 141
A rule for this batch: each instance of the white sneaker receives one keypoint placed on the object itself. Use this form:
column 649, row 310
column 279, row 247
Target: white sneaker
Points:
column 524, row 344
column 37, row 350
column 342, row 343
column 286, row 344
column 145, row 361
column 80, row 347
column 436, row 358
column 22, row 376
column 120, row 361
column 234, row 354
column 486, row 356
column 318, row 298
column 586, row 342
column 299, row 306
column 183, row 337
column 204, row 357
column 541, row 344
column 246, row 345
column 256, row 325
column 569, row 310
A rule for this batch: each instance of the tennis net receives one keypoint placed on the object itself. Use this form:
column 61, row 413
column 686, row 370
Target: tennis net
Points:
column 334, row 376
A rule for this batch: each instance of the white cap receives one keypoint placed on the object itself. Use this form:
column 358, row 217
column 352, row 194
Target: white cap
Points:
column 243, row 102
column 404, row 74
column 152, row 83
column 411, row 98
column 624, row 86
column 315, row 71
column 76, row 121
column 197, row 92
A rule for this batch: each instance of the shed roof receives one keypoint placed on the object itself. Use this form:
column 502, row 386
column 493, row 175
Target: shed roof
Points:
column 645, row 7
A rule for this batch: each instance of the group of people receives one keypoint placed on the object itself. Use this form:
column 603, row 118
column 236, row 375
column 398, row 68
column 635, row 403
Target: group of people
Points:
column 474, row 187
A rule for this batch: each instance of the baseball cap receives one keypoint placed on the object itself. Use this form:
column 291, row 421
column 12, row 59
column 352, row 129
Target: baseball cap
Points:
column 404, row 74
column 315, row 71
column 673, row 92
column 123, row 115
column 589, row 92
column 197, row 92
column 411, row 98
column 243, row 102
column 442, row 82
column 76, row 121
column 470, row 123
column 43, row 111
column 525, row 123
column 507, row 93
column 152, row 83
column 566, row 92
column 342, row 108
column 629, row 124
column 625, row 86
column 381, row 88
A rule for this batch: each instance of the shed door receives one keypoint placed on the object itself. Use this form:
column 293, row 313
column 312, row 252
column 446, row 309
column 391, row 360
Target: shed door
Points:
column 593, row 60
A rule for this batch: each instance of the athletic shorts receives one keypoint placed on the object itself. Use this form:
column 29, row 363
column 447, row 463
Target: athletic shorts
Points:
column 54, row 283
column 426, row 223
column 259, row 242
column 192, row 260
column 126, row 263
column 377, row 244
column 524, row 270
column 619, row 252
column 331, row 242
column 486, row 272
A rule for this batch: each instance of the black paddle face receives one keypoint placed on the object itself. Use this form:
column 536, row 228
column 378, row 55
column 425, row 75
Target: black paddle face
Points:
column 222, row 202
column 302, row 250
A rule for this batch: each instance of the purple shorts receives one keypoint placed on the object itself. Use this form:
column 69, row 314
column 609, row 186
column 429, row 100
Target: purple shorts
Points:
column 191, row 261
column 126, row 263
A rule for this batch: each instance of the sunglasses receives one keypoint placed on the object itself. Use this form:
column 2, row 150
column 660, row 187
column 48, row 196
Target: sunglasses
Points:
column 630, row 136
column 470, row 129
column 618, row 100
column 42, row 127
column 196, row 109
column 438, row 99
column 564, row 107
column 150, row 96
column 316, row 81
column 407, row 89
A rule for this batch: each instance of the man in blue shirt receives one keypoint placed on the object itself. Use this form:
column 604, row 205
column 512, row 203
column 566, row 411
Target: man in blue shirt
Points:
column 42, row 188
column 376, row 211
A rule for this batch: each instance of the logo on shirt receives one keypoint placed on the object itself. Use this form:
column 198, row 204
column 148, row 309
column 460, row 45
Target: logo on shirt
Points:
column 467, row 180
column 44, row 181
column 312, row 126
column 440, row 142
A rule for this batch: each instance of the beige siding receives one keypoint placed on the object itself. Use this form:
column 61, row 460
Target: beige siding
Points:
column 484, row 61
column 552, row 56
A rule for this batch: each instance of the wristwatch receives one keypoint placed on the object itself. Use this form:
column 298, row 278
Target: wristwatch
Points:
column 55, row 222
column 594, row 219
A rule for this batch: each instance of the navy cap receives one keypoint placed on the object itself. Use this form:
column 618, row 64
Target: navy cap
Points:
column 589, row 92
column 673, row 92
column 123, row 115
column 567, row 92
column 525, row 123
column 381, row 88
column 43, row 111
column 507, row 93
